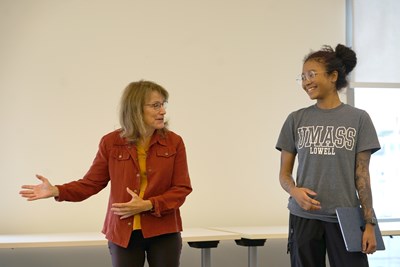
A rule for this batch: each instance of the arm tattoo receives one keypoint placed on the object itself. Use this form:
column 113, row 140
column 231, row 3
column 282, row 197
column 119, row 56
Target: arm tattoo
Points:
column 287, row 183
column 363, row 185
column 285, row 173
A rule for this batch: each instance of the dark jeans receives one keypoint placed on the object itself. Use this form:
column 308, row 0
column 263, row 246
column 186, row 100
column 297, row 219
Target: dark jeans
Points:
column 160, row 251
column 309, row 240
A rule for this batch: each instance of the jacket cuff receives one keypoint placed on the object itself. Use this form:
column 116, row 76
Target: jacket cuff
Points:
column 155, row 211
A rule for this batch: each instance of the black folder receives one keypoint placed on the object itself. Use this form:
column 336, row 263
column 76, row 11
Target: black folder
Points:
column 352, row 225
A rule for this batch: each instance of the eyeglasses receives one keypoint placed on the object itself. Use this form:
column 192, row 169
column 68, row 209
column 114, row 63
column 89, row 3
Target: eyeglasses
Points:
column 309, row 76
column 157, row 105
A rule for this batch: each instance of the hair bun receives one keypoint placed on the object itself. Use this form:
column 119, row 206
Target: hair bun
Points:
column 348, row 57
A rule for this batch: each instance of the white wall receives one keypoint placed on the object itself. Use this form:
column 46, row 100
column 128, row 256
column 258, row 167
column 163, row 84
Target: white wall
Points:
column 229, row 65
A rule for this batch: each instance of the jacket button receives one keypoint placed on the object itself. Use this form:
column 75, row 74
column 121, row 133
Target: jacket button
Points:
column 129, row 223
column 166, row 153
column 120, row 156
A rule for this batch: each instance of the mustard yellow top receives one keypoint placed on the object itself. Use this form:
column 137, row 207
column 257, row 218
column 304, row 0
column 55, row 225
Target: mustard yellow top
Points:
column 142, row 154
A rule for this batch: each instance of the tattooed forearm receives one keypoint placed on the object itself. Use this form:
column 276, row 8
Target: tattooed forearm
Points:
column 285, row 173
column 363, row 184
column 287, row 183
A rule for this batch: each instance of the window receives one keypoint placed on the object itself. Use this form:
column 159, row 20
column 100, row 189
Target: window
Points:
column 382, row 105
column 373, row 32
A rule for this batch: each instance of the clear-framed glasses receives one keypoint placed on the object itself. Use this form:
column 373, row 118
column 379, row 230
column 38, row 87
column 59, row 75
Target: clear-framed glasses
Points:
column 309, row 76
column 157, row 105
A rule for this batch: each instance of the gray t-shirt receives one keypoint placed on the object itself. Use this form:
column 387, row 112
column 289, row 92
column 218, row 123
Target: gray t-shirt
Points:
column 326, row 143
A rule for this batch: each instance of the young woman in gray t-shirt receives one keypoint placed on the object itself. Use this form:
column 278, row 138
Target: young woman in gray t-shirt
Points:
column 333, row 143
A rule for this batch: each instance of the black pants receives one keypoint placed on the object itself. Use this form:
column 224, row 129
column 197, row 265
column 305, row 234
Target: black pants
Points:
column 309, row 240
column 161, row 251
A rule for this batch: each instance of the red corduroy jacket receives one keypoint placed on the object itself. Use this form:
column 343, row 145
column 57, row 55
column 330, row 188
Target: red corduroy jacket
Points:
column 116, row 162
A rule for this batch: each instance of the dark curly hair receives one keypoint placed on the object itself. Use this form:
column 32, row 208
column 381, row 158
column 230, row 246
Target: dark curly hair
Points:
column 342, row 59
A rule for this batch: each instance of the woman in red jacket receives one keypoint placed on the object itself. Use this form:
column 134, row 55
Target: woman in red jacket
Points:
column 147, row 168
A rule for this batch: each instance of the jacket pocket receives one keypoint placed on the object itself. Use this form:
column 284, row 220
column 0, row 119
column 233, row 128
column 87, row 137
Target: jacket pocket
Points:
column 120, row 155
column 165, row 152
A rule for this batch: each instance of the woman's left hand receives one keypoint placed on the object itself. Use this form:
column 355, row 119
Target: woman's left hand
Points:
column 135, row 206
column 369, row 239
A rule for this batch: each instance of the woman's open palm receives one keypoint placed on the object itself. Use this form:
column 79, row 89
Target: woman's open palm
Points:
column 40, row 191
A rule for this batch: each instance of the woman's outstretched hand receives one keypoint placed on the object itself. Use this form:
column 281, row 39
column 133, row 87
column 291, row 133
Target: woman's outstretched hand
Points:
column 40, row 191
